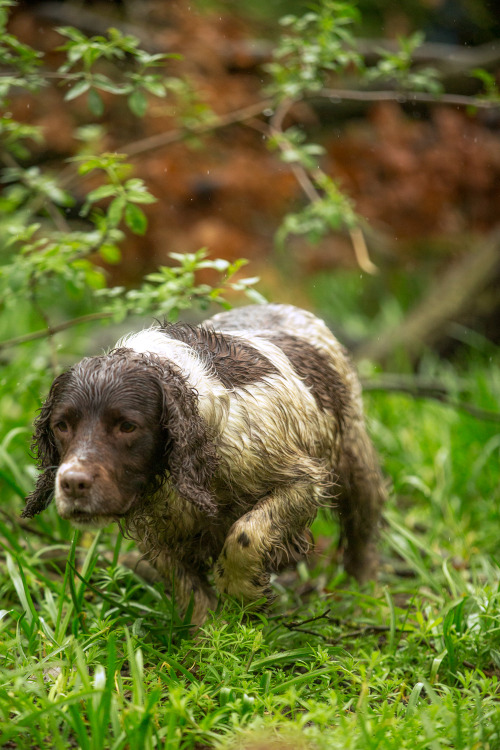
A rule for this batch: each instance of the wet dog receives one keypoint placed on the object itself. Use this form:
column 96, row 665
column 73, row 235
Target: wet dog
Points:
column 214, row 446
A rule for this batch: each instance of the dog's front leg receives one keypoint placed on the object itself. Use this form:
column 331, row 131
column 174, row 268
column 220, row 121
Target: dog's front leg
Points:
column 273, row 533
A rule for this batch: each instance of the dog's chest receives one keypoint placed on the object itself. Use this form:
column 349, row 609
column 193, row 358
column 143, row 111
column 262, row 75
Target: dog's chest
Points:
column 189, row 534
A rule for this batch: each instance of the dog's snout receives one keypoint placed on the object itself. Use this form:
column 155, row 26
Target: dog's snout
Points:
column 75, row 482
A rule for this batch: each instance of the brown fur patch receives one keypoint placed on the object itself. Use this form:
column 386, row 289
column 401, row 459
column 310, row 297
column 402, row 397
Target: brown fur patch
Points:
column 326, row 385
column 244, row 539
column 236, row 362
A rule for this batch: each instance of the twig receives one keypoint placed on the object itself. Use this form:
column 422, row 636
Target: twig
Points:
column 436, row 391
column 452, row 298
column 305, row 180
column 297, row 629
column 361, row 251
column 297, row 626
column 51, row 330
column 487, row 672
column 366, row 629
column 136, row 148
column 221, row 121
column 449, row 58
column 312, row 619
column 403, row 97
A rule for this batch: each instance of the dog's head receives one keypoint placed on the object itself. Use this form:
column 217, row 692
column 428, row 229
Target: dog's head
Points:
column 111, row 431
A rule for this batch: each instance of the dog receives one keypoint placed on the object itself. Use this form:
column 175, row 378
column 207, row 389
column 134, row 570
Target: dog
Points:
column 214, row 446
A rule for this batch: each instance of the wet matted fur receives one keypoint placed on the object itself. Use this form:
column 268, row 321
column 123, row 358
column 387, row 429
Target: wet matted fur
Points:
column 214, row 446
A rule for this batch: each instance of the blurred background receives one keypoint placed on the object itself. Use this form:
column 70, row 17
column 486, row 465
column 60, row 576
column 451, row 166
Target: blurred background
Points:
column 424, row 177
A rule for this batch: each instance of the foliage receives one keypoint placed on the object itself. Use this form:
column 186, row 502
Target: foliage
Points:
column 491, row 91
column 46, row 256
column 83, row 53
column 398, row 67
column 321, row 41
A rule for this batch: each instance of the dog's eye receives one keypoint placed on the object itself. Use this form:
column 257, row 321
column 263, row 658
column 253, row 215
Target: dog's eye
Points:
column 61, row 426
column 127, row 427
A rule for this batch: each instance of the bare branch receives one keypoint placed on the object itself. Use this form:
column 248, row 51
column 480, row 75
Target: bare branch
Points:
column 172, row 136
column 51, row 330
column 416, row 388
column 361, row 251
column 403, row 97
column 449, row 300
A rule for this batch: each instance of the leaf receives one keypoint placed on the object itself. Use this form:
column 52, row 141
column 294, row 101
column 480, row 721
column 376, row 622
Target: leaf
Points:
column 77, row 90
column 135, row 196
column 138, row 103
column 95, row 102
column 414, row 698
column 22, row 589
column 135, row 219
column 284, row 657
column 255, row 296
column 71, row 33
column 155, row 87
column 110, row 253
column 495, row 657
column 104, row 191
column 115, row 211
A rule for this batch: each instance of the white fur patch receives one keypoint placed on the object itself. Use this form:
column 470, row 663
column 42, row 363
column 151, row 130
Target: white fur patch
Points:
column 197, row 374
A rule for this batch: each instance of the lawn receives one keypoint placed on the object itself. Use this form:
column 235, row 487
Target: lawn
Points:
column 93, row 657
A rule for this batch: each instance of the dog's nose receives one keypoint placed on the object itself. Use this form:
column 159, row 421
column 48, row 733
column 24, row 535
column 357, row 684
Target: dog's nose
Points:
column 75, row 483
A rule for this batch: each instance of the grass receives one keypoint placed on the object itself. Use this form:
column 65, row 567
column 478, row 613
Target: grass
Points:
column 92, row 657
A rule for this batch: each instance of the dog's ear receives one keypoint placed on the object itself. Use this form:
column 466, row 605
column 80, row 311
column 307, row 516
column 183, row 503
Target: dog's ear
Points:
column 190, row 455
column 44, row 447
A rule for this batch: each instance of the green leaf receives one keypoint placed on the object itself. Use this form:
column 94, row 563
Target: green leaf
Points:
column 110, row 253
column 104, row 191
column 137, row 192
column 136, row 196
column 77, row 90
column 155, row 87
column 115, row 211
column 138, row 103
column 22, row 589
column 135, row 219
column 95, row 102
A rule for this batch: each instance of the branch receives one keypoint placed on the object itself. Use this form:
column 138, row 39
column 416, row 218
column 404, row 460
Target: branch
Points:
column 417, row 388
column 305, row 180
column 51, row 330
column 247, row 113
column 298, row 627
column 403, row 97
column 450, row 299
column 172, row 136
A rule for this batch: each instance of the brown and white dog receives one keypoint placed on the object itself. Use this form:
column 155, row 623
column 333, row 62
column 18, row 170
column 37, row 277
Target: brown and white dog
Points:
column 214, row 446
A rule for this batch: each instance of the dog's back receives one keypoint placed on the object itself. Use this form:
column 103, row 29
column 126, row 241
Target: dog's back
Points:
column 358, row 490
